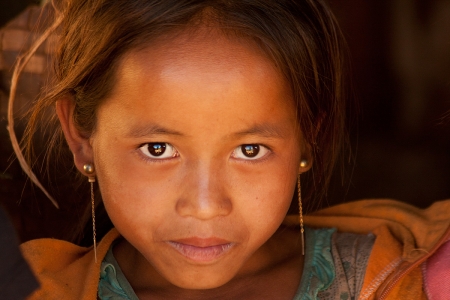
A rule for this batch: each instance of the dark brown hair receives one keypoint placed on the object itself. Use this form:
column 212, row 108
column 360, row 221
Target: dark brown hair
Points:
column 300, row 36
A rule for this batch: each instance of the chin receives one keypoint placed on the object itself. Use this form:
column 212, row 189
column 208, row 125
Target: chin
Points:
column 201, row 280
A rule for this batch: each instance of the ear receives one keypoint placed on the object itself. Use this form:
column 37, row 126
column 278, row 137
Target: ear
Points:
column 306, row 158
column 78, row 144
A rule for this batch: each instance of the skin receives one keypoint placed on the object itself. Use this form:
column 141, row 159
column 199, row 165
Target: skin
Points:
column 205, row 94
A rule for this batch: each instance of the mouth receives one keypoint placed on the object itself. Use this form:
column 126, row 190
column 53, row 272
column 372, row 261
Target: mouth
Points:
column 201, row 250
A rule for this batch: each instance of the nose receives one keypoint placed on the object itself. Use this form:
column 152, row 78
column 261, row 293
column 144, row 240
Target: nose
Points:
column 204, row 194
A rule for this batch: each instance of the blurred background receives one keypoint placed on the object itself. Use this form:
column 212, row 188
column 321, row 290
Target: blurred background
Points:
column 400, row 56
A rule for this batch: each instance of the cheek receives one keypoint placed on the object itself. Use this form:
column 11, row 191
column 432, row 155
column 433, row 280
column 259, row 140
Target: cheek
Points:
column 266, row 197
column 133, row 196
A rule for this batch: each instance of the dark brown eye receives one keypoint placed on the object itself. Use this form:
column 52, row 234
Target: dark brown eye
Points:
column 250, row 150
column 156, row 149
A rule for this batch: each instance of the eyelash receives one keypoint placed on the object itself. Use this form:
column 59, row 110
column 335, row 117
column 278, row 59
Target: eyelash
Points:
column 257, row 160
column 147, row 158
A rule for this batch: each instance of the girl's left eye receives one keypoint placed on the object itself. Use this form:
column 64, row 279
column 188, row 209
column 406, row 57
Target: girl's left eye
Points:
column 158, row 150
column 250, row 152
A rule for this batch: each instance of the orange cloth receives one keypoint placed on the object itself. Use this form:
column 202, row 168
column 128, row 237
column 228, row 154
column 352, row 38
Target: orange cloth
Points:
column 66, row 271
column 406, row 236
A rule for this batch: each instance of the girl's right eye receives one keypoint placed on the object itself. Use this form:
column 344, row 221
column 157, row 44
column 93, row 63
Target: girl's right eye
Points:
column 158, row 150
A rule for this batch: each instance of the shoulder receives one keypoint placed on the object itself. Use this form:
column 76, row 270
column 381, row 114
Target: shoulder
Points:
column 334, row 264
column 404, row 233
column 64, row 269
column 405, row 236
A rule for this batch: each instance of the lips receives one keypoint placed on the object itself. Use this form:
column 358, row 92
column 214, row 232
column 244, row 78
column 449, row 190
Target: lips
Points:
column 201, row 250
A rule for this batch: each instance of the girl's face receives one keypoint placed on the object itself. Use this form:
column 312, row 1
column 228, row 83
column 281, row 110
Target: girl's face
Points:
column 196, row 153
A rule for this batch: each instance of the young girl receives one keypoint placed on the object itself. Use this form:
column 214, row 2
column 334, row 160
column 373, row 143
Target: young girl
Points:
column 196, row 119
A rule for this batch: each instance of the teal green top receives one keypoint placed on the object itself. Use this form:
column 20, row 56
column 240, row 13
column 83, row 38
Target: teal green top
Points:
column 318, row 270
column 334, row 268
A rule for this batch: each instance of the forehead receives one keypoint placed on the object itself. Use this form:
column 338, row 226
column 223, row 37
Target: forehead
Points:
column 206, row 52
column 204, row 72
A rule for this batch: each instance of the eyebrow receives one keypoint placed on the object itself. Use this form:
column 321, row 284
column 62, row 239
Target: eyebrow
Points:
column 151, row 129
column 264, row 130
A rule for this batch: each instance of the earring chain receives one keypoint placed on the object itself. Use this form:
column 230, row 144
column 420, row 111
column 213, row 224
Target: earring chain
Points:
column 92, row 180
column 300, row 210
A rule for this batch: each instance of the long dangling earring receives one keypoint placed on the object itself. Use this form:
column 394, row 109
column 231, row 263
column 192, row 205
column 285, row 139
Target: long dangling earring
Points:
column 303, row 164
column 89, row 169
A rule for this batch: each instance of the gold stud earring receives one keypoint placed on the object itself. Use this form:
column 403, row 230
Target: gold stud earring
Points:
column 303, row 163
column 300, row 211
column 89, row 169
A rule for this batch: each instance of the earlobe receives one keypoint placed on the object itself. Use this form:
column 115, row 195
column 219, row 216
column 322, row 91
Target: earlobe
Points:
column 306, row 159
column 305, row 165
column 78, row 144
